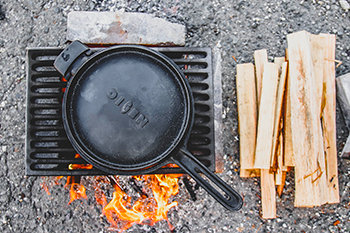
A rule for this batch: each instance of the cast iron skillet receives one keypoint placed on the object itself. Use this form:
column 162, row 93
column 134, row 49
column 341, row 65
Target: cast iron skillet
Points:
column 129, row 110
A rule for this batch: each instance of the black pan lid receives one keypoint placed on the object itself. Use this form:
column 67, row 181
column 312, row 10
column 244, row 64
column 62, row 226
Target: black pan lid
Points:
column 127, row 108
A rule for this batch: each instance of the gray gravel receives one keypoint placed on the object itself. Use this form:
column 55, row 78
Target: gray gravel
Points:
column 237, row 28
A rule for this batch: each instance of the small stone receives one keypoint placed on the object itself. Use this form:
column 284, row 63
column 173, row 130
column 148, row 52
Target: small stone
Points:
column 254, row 25
column 18, row 216
column 234, row 39
column 4, row 148
column 69, row 215
column 6, row 219
column 344, row 4
column 46, row 30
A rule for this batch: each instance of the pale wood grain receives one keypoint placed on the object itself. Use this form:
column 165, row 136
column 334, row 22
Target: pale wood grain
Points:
column 328, row 119
column 279, row 163
column 268, row 194
column 260, row 59
column 288, row 155
column 278, row 108
column 247, row 114
column 249, row 173
column 266, row 117
column 281, row 187
column 318, row 47
column 304, row 120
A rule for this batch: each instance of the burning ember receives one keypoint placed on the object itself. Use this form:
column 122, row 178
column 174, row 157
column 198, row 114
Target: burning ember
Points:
column 77, row 190
column 123, row 211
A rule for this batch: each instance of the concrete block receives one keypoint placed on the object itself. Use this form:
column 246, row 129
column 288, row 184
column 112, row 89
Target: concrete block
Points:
column 343, row 96
column 123, row 28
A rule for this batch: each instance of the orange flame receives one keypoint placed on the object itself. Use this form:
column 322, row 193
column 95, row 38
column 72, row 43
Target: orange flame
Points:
column 46, row 188
column 163, row 187
column 122, row 214
column 79, row 166
column 77, row 190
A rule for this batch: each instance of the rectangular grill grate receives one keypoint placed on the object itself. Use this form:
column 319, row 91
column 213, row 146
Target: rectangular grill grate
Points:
column 48, row 150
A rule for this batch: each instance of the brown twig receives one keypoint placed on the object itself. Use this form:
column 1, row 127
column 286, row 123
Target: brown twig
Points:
column 259, row 228
column 337, row 61
column 234, row 58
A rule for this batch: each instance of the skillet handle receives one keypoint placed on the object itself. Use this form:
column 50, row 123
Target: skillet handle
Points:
column 193, row 167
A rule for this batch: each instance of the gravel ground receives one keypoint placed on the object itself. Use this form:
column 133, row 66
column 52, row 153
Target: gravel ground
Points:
column 236, row 28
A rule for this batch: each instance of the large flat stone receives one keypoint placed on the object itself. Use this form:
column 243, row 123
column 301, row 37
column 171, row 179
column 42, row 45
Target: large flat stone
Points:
column 343, row 96
column 123, row 28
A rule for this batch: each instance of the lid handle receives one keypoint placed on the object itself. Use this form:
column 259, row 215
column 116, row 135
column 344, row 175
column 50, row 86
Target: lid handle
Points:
column 68, row 56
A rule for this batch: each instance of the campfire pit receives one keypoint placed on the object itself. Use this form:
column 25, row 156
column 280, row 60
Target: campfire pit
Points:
column 50, row 153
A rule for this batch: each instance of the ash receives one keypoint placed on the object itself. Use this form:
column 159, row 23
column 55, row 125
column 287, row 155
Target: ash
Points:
column 237, row 28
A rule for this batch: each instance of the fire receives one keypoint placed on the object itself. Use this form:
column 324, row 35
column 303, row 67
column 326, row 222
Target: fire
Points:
column 163, row 187
column 79, row 166
column 77, row 190
column 123, row 211
column 122, row 214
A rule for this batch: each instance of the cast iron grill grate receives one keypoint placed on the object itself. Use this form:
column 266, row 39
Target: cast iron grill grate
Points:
column 48, row 150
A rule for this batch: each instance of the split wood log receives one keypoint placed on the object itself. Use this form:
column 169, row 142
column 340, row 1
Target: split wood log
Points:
column 328, row 119
column 280, row 187
column 288, row 154
column 260, row 59
column 279, row 61
column 266, row 117
column 279, row 163
column 278, row 108
column 318, row 47
column 268, row 194
column 305, row 122
column 247, row 114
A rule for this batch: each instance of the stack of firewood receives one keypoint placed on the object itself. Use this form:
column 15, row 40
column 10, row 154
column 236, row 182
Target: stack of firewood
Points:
column 286, row 114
